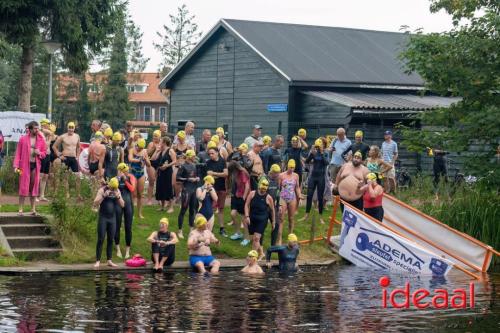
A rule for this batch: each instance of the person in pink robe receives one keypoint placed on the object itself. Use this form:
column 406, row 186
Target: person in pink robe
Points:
column 31, row 149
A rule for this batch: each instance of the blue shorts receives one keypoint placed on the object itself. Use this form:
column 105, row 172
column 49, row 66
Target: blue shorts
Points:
column 206, row 260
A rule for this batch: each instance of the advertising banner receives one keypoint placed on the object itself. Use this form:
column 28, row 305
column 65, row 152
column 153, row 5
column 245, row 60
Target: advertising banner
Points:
column 13, row 123
column 367, row 244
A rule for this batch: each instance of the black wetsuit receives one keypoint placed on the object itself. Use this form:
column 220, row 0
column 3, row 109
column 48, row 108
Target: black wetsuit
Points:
column 316, row 179
column 111, row 160
column 126, row 213
column 106, row 226
column 188, row 195
column 165, row 251
column 287, row 256
column 274, row 192
column 362, row 147
column 259, row 214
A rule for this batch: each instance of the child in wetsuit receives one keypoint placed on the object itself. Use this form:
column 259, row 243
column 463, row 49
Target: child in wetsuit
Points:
column 287, row 254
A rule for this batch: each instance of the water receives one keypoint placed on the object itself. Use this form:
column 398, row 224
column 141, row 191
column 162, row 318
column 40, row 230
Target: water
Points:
column 340, row 298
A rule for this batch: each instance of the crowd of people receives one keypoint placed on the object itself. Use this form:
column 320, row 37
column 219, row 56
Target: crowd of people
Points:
column 264, row 179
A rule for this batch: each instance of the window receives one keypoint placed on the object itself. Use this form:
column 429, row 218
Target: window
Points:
column 94, row 88
column 130, row 87
column 140, row 88
column 163, row 114
column 147, row 113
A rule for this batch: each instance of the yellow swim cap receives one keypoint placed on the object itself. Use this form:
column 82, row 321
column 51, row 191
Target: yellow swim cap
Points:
column 190, row 153
column 295, row 138
column 164, row 221
column 358, row 134
column 292, row 238
column 211, row 144
column 157, row 133
column 71, row 124
column 209, row 180
column 267, row 139
column 243, row 146
column 122, row 167
column 117, row 136
column 263, row 183
column 358, row 154
column 52, row 128
column 98, row 135
column 291, row 164
column 275, row 168
column 252, row 254
column 302, row 132
column 219, row 130
column 141, row 143
column 113, row 183
column 215, row 138
column 371, row 176
column 44, row 121
column 108, row 132
column 200, row 221
column 318, row 143
column 181, row 135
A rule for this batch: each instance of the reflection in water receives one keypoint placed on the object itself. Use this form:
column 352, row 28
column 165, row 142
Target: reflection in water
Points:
column 340, row 298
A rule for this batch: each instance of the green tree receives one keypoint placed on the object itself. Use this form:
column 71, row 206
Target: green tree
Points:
column 115, row 106
column 136, row 61
column 82, row 27
column 462, row 62
column 178, row 38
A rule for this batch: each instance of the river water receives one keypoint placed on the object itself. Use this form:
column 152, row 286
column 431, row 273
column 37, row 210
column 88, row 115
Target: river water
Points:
column 339, row 298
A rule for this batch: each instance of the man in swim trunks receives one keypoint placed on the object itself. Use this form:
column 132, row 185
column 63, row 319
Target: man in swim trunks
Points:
column 287, row 254
column 200, row 255
column 257, row 165
column 70, row 143
column 96, row 150
column 350, row 178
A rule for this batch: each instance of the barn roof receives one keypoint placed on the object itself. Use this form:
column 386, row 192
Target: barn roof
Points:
column 318, row 55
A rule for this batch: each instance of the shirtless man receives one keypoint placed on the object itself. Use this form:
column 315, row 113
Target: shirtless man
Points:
column 45, row 167
column 257, row 165
column 350, row 178
column 70, row 143
column 96, row 150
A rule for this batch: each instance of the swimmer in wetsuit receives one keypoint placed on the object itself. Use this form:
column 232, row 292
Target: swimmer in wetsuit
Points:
column 287, row 254
column 207, row 197
column 107, row 198
column 259, row 209
column 163, row 246
column 114, row 155
column 188, row 175
column 127, row 184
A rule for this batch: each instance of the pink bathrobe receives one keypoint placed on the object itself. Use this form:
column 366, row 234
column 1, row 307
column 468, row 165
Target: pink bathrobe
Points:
column 22, row 161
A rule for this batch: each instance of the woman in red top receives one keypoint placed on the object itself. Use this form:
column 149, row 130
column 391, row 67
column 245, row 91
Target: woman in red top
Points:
column 372, row 198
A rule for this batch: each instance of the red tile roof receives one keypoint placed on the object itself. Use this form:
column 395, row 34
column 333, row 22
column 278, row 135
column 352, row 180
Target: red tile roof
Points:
column 68, row 83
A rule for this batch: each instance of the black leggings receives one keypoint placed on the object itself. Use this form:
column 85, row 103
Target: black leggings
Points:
column 317, row 184
column 274, row 232
column 188, row 200
column 439, row 170
column 126, row 213
column 376, row 212
column 105, row 228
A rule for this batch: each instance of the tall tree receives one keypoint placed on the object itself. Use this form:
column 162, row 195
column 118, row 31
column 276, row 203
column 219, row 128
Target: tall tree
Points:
column 178, row 38
column 136, row 61
column 81, row 26
column 462, row 62
column 115, row 106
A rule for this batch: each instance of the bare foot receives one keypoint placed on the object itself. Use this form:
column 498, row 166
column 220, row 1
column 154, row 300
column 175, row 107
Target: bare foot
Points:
column 34, row 213
column 149, row 203
column 20, row 213
column 141, row 216
column 321, row 221
column 305, row 217
column 161, row 209
column 170, row 210
column 112, row 264
column 127, row 255
column 119, row 252
column 230, row 222
column 97, row 263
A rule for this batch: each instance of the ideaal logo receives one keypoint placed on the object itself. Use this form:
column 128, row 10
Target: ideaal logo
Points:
column 439, row 298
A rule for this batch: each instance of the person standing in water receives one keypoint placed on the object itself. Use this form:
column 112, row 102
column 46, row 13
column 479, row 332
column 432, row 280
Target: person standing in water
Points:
column 138, row 158
column 287, row 254
column 126, row 185
column 252, row 266
column 163, row 245
column 259, row 209
column 107, row 198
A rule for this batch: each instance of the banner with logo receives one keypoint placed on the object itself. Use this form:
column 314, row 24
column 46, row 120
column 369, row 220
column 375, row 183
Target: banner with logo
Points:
column 367, row 244
column 13, row 123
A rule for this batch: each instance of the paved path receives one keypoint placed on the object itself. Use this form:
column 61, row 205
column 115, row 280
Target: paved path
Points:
column 52, row 267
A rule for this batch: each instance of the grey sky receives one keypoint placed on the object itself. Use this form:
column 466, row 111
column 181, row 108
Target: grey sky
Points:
column 387, row 15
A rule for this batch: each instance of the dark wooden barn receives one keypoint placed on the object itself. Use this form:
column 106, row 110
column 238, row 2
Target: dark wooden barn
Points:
column 288, row 76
